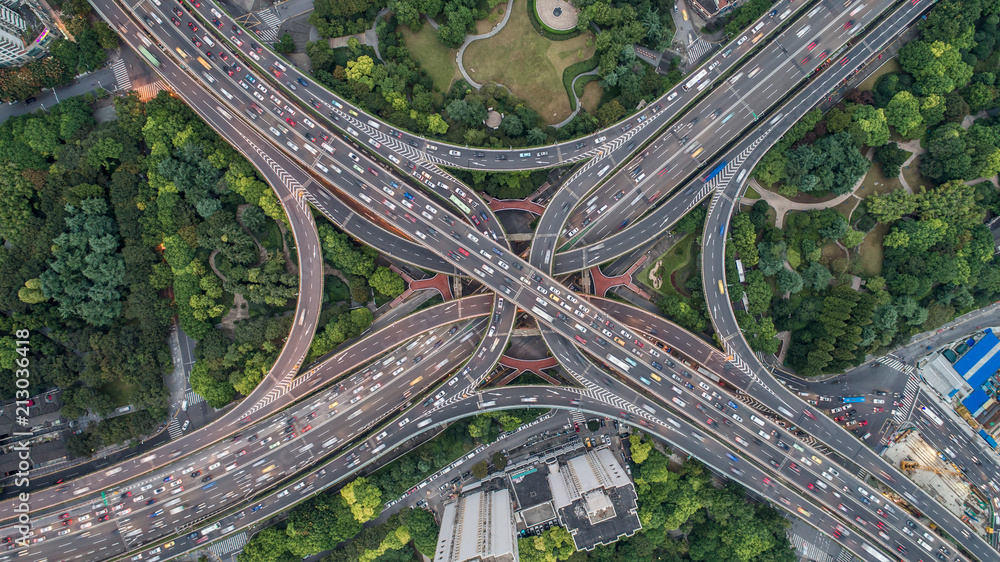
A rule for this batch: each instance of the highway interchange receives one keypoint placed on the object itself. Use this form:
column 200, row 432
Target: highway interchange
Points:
column 388, row 188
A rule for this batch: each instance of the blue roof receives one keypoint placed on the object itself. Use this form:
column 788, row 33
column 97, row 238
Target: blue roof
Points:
column 974, row 402
column 970, row 342
column 974, row 355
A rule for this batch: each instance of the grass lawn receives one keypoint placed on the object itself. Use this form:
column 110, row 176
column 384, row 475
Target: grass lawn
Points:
column 678, row 257
column 891, row 65
column 875, row 176
column 119, row 392
column 592, row 92
column 871, row 250
column 527, row 63
column 911, row 173
column 495, row 17
column 846, row 207
column 831, row 251
column 435, row 58
column 751, row 193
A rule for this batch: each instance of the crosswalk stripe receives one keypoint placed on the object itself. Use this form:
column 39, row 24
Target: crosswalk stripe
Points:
column 121, row 75
column 193, row 398
column 149, row 91
column 174, row 429
column 234, row 543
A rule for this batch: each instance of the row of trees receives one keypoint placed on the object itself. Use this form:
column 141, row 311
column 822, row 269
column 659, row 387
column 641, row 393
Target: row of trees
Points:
column 326, row 520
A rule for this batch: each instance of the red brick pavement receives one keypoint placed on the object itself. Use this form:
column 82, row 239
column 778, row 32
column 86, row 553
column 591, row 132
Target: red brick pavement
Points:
column 602, row 283
column 437, row 283
column 520, row 204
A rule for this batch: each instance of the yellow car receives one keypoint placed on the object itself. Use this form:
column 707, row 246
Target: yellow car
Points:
column 169, row 545
column 685, row 14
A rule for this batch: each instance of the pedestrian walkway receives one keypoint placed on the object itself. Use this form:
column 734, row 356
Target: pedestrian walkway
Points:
column 577, row 417
column 603, row 283
column 123, row 82
column 437, row 283
column 193, row 398
column 518, row 204
column 234, row 543
column 174, row 429
column 909, row 397
column 896, row 364
column 536, row 366
column 470, row 38
column 698, row 49
column 149, row 91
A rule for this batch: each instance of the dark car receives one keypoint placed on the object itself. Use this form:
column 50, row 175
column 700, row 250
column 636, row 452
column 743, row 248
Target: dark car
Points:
column 206, row 478
column 484, row 216
column 237, row 30
column 303, row 82
column 196, row 474
column 196, row 41
column 151, row 502
column 192, row 25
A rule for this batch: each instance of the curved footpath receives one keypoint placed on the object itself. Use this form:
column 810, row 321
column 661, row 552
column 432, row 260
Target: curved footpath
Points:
column 470, row 38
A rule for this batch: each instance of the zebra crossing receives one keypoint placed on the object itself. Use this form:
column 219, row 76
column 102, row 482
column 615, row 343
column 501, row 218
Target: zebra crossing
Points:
column 193, row 398
column 269, row 18
column 174, row 429
column 121, row 75
column 698, row 49
column 896, row 364
column 269, row 35
column 845, row 556
column 149, row 91
column 231, row 544
column 909, row 395
column 578, row 417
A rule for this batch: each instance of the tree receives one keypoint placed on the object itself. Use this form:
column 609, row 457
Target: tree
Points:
column 890, row 157
column 253, row 218
column 789, row 281
column 903, row 113
column 363, row 498
column 640, row 449
column 107, row 38
column 285, row 44
column 387, row 282
column 817, row 276
column 512, row 126
column 873, row 122
column 31, row 293
column 937, row 66
column 87, row 272
column 480, row 470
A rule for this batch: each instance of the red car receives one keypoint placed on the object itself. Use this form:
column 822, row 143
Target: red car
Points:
column 840, row 418
column 465, row 253
column 638, row 343
column 176, row 21
column 307, row 428
column 223, row 56
column 864, row 423
column 848, row 24
column 373, row 172
column 289, row 121
column 811, row 486
column 64, row 515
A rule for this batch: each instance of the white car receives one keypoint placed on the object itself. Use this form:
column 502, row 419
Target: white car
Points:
column 878, row 401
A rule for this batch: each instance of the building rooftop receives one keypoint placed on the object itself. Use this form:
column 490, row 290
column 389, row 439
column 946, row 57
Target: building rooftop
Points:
column 480, row 527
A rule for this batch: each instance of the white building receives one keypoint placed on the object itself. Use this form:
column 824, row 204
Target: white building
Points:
column 15, row 48
column 478, row 527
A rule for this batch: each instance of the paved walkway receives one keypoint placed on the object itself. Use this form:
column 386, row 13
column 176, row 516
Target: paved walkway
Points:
column 534, row 365
column 565, row 21
column 572, row 88
column 437, row 283
column 781, row 205
column 470, row 38
column 516, row 204
column 602, row 283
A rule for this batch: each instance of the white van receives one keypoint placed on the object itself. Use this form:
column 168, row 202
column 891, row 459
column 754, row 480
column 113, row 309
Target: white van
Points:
column 208, row 41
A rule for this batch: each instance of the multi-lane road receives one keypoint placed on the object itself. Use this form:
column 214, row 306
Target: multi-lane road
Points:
column 313, row 146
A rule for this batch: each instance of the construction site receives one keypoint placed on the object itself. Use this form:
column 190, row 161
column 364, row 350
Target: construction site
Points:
column 934, row 473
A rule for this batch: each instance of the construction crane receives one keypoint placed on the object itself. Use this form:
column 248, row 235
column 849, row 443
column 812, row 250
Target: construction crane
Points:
column 913, row 465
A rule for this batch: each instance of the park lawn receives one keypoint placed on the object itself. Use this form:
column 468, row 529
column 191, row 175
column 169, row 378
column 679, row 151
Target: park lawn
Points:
column 891, row 65
column 119, row 392
column 830, row 252
column 846, row 207
column 751, row 193
column 670, row 261
column 495, row 17
column 876, row 182
column 911, row 173
column 529, row 64
column 592, row 92
column 871, row 250
column 436, row 59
